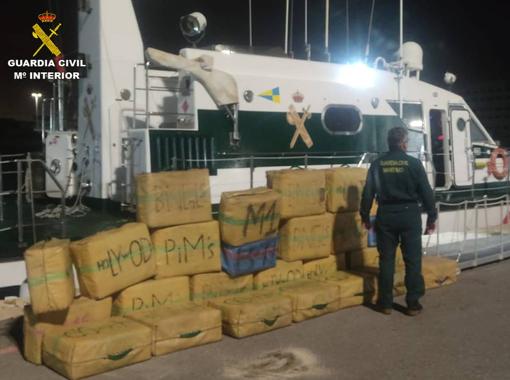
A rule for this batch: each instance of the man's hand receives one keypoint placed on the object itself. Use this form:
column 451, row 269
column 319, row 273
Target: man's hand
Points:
column 431, row 227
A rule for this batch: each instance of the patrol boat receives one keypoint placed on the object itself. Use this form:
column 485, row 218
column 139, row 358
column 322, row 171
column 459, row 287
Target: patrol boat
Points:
column 239, row 115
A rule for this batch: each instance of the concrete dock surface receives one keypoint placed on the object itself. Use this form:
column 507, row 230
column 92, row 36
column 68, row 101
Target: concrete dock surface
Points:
column 463, row 333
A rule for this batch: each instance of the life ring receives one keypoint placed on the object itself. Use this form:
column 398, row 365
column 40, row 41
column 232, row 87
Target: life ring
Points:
column 491, row 165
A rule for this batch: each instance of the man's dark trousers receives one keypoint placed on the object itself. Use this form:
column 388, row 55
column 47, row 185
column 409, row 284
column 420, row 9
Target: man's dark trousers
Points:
column 399, row 223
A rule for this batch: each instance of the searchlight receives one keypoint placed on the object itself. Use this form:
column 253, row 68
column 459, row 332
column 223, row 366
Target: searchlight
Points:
column 357, row 75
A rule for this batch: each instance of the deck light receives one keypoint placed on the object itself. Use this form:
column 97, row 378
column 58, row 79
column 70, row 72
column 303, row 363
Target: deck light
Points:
column 357, row 75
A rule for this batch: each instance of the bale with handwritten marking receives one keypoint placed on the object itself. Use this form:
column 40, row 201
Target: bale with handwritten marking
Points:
column 93, row 348
column 152, row 294
column 249, row 215
column 177, row 327
column 210, row 285
column 306, row 237
column 352, row 288
column 50, row 275
column 188, row 249
column 344, row 187
column 282, row 273
column 302, row 191
column 175, row 197
column 112, row 260
column 349, row 234
column 320, row 268
column 253, row 313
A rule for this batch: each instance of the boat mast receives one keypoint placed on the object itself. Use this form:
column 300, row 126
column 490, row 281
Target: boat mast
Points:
column 250, row 23
column 308, row 47
column 326, row 32
column 400, row 60
column 286, row 26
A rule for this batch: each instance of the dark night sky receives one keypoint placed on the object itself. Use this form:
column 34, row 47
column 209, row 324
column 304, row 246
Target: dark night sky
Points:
column 463, row 37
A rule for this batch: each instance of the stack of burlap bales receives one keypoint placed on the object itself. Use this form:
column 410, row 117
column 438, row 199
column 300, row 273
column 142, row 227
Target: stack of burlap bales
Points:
column 157, row 286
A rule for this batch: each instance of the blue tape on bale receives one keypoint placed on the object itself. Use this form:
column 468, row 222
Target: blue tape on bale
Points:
column 250, row 257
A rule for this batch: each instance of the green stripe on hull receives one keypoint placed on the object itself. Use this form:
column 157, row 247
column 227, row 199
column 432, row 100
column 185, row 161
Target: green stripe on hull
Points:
column 262, row 134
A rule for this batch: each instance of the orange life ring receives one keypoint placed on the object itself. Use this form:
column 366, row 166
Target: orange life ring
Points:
column 491, row 165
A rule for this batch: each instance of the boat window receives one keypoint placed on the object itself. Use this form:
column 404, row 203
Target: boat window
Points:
column 412, row 114
column 477, row 133
column 341, row 119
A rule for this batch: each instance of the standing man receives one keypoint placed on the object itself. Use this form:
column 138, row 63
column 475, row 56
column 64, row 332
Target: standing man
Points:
column 399, row 183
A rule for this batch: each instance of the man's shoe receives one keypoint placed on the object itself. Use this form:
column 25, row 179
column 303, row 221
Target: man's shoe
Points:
column 414, row 309
column 384, row 310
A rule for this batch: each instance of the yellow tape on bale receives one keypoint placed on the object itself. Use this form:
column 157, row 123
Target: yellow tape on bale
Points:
column 321, row 268
column 86, row 350
column 344, row 187
column 282, row 273
column 174, row 197
column 253, row 313
column 311, row 298
column 82, row 310
column 210, row 285
column 187, row 249
column 152, row 294
column 112, row 260
column 439, row 271
column 177, row 327
column 348, row 233
column 50, row 275
column 248, row 216
column 306, row 237
column 303, row 191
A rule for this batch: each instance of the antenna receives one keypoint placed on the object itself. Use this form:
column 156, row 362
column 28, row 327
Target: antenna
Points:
column 326, row 32
column 367, row 48
column 291, row 29
column 400, row 61
column 286, row 26
column 308, row 47
column 250, row 23
column 347, row 27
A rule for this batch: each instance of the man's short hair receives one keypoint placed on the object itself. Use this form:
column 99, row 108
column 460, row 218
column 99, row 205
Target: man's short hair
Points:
column 396, row 136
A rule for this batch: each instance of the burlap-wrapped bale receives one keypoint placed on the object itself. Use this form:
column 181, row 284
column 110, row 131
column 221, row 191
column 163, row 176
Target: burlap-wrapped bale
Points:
column 253, row 313
column 311, row 298
column 349, row 234
column 210, row 285
column 306, row 237
column 341, row 261
column 302, row 191
column 86, row 350
column 352, row 289
column 82, row 310
column 152, row 294
column 371, row 287
column 282, row 273
column 174, row 197
column 50, row 275
column 439, row 271
column 368, row 259
column 113, row 260
column 320, row 268
column 344, row 187
column 177, row 327
column 188, row 249
column 249, row 257
column 248, row 216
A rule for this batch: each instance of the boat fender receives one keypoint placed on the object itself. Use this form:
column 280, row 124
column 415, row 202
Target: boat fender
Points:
column 491, row 166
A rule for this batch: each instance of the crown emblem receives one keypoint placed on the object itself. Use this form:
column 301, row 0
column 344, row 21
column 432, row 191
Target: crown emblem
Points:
column 47, row 17
column 297, row 97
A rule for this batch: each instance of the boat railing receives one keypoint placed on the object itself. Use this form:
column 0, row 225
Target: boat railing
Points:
column 24, row 165
column 468, row 232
